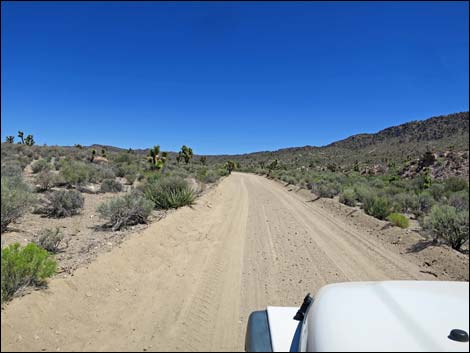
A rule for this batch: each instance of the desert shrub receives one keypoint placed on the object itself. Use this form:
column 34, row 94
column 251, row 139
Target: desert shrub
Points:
column 210, row 177
column 98, row 173
column 169, row 192
column 348, row 197
column 437, row 191
column 130, row 209
column 459, row 200
column 377, row 183
column 399, row 220
column 74, row 172
column 46, row 180
column 16, row 199
column 40, row 165
column 12, row 169
column 49, row 239
column 290, row 180
column 363, row 193
column 62, row 203
column 205, row 175
column 378, row 207
column 222, row 172
column 23, row 267
column 325, row 188
column 454, row 184
column 425, row 202
column 110, row 185
column 128, row 171
column 406, row 202
column 56, row 163
column 449, row 224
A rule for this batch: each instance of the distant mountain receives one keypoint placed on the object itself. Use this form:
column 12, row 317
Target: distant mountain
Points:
column 432, row 129
column 394, row 145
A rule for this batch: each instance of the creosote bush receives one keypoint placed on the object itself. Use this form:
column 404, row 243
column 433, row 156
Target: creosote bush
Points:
column 348, row 197
column 110, row 185
column 62, row 203
column 40, row 165
column 45, row 180
column 130, row 209
column 447, row 223
column 23, row 267
column 378, row 207
column 16, row 200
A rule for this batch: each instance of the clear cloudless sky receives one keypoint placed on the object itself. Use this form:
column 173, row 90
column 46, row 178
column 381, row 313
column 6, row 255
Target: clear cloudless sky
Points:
column 228, row 77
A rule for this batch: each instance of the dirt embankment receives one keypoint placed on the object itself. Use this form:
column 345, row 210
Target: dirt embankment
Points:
column 190, row 281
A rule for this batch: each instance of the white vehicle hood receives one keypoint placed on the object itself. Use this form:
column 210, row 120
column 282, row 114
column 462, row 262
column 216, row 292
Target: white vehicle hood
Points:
column 388, row 316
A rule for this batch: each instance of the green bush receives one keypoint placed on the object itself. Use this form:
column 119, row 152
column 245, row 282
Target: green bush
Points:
column 348, row 197
column 16, row 199
column 40, row 166
column 46, row 180
column 437, row 191
column 378, row 207
column 62, row 203
column 459, row 200
column 169, row 192
column 49, row 239
column 425, row 202
column 98, row 173
column 406, row 202
column 110, row 185
column 447, row 223
column 454, row 184
column 325, row 189
column 206, row 176
column 398, row 220
column 130, row 209
column 363, row 193
column 12, row 169
column 74, row 173
column 23, row 267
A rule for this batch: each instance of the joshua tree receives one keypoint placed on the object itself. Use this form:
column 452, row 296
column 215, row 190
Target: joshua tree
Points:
column 153, row 153
column 103, row 153
column 179, row 157
column 29, row 140
column 93, row 153
column 20, row 135
column 203, row 160
column 187, row 153
column 10, row 139
column 230, row 165
column 157, row 161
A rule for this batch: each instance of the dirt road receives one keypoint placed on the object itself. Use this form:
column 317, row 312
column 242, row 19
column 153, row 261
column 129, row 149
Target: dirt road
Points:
column 189, row 281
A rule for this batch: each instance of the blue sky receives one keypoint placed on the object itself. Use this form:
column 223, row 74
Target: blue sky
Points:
column 228, row 77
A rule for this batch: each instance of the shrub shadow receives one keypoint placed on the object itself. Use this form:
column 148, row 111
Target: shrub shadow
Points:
column 421, row 245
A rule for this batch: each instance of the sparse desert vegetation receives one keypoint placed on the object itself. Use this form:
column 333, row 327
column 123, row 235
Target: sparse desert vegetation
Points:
column 78, row 190
column 94, row 197
column 416, row 171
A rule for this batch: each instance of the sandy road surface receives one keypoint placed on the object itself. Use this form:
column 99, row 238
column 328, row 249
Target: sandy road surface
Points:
column 189, row 281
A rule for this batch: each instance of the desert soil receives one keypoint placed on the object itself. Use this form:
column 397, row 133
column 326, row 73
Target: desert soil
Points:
column 189, row 281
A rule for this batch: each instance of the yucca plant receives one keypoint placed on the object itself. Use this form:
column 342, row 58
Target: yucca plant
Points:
column 169, row 192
